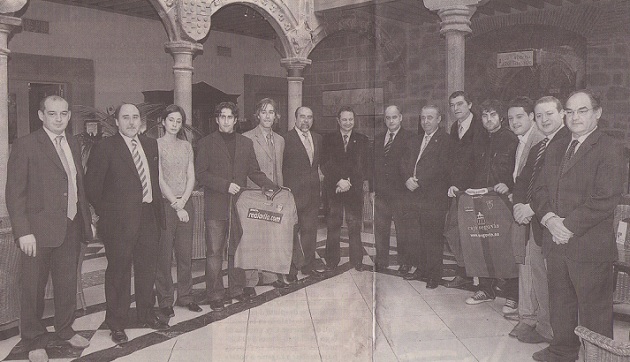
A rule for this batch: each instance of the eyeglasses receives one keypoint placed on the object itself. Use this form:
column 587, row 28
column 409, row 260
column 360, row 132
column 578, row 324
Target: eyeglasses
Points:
column 580, row 112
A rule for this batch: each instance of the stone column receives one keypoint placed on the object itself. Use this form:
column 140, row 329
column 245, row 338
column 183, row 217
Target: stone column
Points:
column 183, row 53
column 7, row 24
column 455, row 25
column 294, row 66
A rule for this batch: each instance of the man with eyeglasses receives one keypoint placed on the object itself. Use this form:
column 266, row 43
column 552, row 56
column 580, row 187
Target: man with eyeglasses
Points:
column 576, row 194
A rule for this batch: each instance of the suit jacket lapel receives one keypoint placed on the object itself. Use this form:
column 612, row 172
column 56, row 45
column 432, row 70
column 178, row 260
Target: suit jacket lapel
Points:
column 584, row 148
column 301, row 145
column 432, row 144
column 262, row 141
column 125, row 154
column 49, row 149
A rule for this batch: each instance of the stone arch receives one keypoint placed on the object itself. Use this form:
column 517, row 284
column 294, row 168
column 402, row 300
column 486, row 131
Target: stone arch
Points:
column 559, row 62
column 393, row 51
column 189, row 20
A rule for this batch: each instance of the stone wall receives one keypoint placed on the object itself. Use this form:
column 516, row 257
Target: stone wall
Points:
column 399, row 63
column 604, row 30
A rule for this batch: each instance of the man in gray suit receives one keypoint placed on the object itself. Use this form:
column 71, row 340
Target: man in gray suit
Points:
column 269, row 150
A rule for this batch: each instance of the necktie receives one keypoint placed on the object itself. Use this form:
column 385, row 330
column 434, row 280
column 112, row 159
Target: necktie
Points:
column 72, row 188
column 388, row 145
column 541, row 152
column 345, row 142
column 272, row 149
column 309, row 147
column 460, row 131
column 425, row 143
column 137, row 160
column 568, row 155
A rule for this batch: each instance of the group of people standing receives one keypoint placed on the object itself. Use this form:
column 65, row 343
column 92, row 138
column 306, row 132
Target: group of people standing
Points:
column 561, row 182
column 558, row 173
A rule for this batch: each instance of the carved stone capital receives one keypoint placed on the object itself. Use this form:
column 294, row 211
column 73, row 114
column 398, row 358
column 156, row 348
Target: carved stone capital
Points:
column 456, row 19
column 183, row 53
column 455, row 14
column 7, row 25
column 295, row 65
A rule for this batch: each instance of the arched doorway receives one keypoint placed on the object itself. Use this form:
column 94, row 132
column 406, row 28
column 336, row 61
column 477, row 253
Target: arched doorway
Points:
column 559, row 63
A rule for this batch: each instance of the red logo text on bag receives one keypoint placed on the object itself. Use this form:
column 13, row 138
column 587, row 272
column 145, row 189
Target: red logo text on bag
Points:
column 264, row 215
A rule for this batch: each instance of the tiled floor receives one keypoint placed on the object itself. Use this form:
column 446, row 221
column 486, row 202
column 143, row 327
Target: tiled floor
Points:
column 350, row 316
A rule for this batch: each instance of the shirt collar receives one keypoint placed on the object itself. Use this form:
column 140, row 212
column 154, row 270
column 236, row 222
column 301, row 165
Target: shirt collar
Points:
column 524, row 137
column 395, row 132
column 343, row 133
column 265, row 132
column 128, row 139
column 466, row 123
column 431, row 135
column 583, row 137
column 52, row 136
column 301, row 133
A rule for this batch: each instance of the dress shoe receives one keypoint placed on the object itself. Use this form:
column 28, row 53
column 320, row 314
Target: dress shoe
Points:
column 380, row 269
column 433, row 283
column 280, row 284
column 417, row 275
column 247, row 294
column 542, row 355
column 167, row 312
column 78, row 341
column 313, row 273
column 217, row 305
column 359, row 267
column 38, row 355
column 119, row 336
column 331, row 267
column 531, row 336
column 459, row 282
column 291, row 278
column 151, row 321
column 519, row 329
column 194, row 307
column 404, row 269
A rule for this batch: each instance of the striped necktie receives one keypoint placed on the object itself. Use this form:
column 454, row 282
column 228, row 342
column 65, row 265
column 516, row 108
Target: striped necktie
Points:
column 345, row 142
column 137, row 160
column 539, row 155
column 388, row 145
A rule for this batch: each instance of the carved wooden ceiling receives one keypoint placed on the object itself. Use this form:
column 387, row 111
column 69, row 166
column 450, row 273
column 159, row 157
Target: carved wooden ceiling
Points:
column 241, row 19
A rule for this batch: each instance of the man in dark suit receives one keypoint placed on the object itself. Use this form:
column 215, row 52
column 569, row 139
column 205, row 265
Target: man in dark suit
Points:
column 464, row 131
column 576, row 194
column 300, row 168
column 50, row 218
column 123, row 186
column 390, row 193
column 225, row 159
column 427, row 169
column 345, row 167
column 533, row 307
